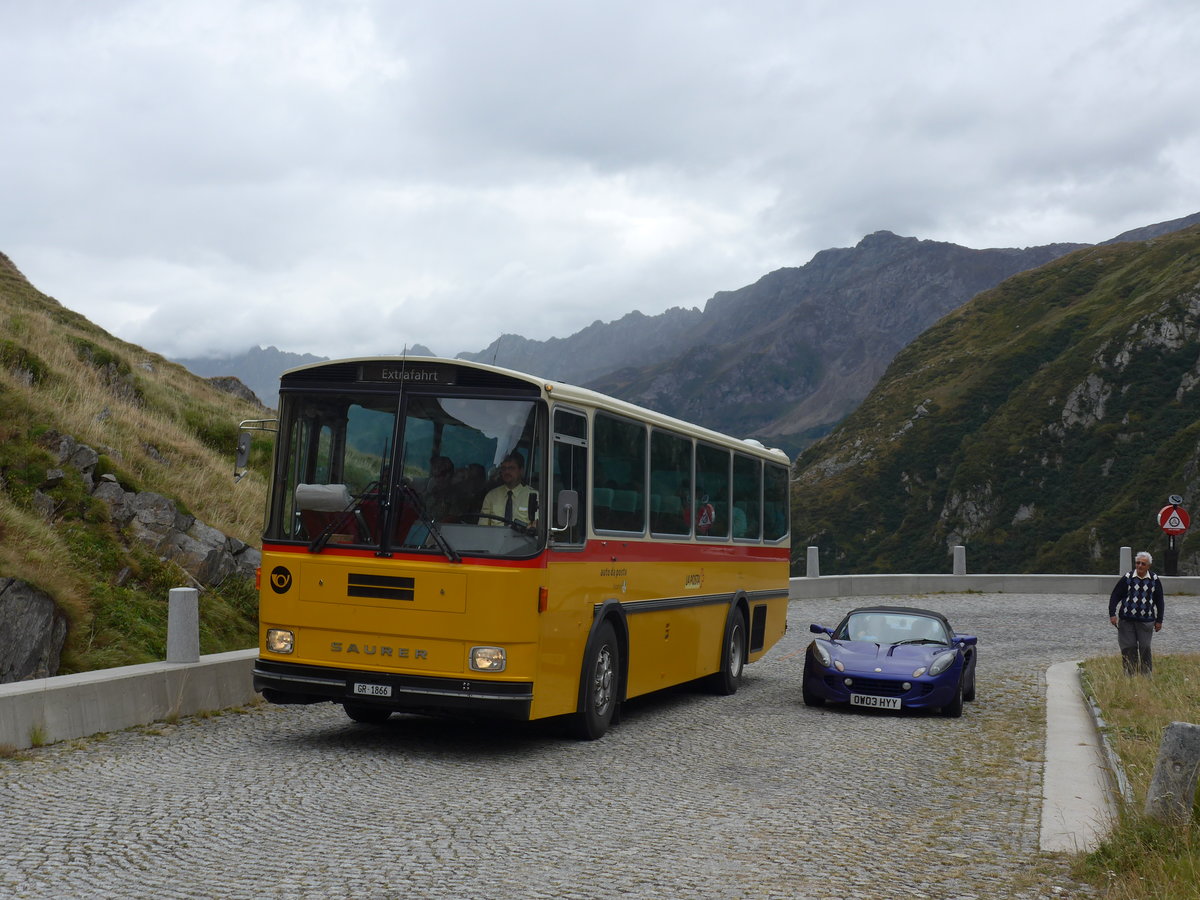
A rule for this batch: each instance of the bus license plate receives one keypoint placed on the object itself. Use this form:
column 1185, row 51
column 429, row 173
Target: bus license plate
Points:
column 876, row 702
column 373, row 690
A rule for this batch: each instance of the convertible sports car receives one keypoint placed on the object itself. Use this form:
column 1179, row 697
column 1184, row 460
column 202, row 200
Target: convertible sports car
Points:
column 891, row 657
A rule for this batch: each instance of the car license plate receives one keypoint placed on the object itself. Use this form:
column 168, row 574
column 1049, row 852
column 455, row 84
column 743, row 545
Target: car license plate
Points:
column 373, row 690
column 876, row 702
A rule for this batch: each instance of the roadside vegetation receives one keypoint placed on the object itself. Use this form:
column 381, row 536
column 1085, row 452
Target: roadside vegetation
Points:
column 156, row 427
column 1144, row 859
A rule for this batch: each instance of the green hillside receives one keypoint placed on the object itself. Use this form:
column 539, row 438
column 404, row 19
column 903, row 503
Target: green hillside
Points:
column 1042, row 425
column 157, row 428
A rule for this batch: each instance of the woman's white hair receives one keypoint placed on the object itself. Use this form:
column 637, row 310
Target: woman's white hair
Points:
column 1149, row 558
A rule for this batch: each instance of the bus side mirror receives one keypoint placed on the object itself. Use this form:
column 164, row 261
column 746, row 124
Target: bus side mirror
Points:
column 243, row 442
column 243, row 450
column 566, row 512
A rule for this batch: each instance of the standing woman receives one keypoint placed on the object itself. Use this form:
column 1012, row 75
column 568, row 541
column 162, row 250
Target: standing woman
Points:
column 1136, row 610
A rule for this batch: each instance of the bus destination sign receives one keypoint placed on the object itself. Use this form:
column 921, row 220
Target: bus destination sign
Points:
column 403, row 373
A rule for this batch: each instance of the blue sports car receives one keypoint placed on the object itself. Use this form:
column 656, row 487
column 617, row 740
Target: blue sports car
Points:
column 891, row 657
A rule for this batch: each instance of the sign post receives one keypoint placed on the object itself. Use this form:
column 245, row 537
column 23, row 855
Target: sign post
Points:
column 1173, row 519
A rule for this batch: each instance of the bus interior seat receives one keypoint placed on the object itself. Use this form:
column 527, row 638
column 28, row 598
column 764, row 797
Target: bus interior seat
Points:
column 322, row 505
column 627, row 510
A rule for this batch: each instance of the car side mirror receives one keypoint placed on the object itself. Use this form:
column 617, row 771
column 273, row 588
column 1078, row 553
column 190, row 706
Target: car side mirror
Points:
column 820, row 629
column 967, row 640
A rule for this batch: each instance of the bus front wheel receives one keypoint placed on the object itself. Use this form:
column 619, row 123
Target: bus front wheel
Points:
column 601, row 679
column 733, row 658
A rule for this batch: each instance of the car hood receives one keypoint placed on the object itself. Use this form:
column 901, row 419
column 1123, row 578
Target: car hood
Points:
column 869, row 655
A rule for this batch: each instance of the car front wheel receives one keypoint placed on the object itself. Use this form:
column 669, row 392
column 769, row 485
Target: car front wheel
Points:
column 954, row 708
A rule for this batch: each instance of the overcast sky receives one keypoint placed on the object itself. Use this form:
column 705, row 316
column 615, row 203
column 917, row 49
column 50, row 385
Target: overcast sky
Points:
column 348, row 177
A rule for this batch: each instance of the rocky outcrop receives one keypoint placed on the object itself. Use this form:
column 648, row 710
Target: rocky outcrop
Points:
column 32, row 632
column 206, row 554
column 232, row 385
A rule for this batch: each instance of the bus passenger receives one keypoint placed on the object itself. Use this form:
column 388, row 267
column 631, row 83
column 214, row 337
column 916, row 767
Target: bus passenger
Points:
column 512, row 498
column 441, row 498
column 470, row 486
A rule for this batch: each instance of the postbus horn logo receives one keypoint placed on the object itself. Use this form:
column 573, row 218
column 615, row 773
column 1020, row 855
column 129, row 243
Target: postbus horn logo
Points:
column 281, row 580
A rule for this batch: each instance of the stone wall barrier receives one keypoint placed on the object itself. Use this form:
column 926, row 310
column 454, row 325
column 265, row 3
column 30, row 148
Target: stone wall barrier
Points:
column 1173, row 786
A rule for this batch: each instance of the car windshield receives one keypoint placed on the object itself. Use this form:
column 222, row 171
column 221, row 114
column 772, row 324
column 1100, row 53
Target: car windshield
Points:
column 893, row 628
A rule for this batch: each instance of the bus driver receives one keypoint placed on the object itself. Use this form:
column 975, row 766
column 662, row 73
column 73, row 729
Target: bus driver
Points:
column 512, row 499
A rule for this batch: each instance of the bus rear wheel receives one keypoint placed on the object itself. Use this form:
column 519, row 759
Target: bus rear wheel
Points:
column 367, row 715
column 601, row 678
column 733, row 658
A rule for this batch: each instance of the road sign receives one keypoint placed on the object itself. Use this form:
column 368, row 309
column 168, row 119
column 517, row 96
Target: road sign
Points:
column 1174, row 519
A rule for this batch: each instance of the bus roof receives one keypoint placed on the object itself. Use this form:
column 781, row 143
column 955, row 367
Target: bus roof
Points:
column 569, row 393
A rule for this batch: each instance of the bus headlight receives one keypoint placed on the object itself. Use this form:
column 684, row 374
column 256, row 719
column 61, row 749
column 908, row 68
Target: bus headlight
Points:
column 280, row 641
column 488, row 659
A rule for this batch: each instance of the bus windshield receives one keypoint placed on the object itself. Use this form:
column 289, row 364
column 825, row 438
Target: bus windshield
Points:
column 413, row 472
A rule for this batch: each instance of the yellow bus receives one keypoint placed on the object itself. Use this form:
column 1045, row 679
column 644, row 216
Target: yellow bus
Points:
column 449, row 537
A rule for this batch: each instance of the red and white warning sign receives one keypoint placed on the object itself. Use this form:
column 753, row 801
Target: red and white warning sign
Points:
column 1174, row 519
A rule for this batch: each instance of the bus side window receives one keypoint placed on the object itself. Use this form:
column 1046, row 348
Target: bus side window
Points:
column 775, row 502
column 619, row 466
column 747, row 494
column 670, row 480
column 712, row 491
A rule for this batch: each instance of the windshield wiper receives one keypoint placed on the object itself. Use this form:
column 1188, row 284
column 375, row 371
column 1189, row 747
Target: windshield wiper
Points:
column 349, row 515
column 920, row 641
column 428, row 521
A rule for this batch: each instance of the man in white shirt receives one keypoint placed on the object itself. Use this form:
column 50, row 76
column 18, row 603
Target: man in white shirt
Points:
column 510, row 500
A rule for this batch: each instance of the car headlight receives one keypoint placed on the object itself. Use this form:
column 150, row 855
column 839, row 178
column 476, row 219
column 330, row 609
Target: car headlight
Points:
column 824, row 657
column 488, row 659
column 942, row 662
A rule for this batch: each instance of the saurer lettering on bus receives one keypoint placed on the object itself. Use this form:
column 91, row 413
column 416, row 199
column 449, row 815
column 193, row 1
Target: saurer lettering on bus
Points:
column 372, row 649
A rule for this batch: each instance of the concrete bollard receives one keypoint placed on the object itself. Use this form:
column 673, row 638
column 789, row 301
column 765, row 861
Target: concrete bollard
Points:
column 813, row 570
column 183, row 625
column 1126, row 560
column 1173, row 786
column 960, row 560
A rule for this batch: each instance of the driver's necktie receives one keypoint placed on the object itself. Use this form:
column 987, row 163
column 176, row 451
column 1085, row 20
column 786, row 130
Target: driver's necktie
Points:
column 508, row 510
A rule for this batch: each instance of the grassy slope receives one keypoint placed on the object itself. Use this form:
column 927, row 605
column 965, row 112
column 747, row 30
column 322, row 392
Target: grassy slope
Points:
column 157, row 428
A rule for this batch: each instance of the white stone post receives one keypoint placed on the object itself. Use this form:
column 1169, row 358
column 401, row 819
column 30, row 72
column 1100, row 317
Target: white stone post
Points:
column 1126, row 560
column 1173, row 785
column 960, row 560
column 813, row 569
column 183, row 626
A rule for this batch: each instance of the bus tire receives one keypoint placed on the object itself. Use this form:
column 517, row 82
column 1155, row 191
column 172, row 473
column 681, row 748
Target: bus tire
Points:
column 367, row 715
column 733, row 657
column 600, row 681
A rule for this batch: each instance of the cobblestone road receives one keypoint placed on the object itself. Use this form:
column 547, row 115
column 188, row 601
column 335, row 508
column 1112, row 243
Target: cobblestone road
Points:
column 692, row 796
